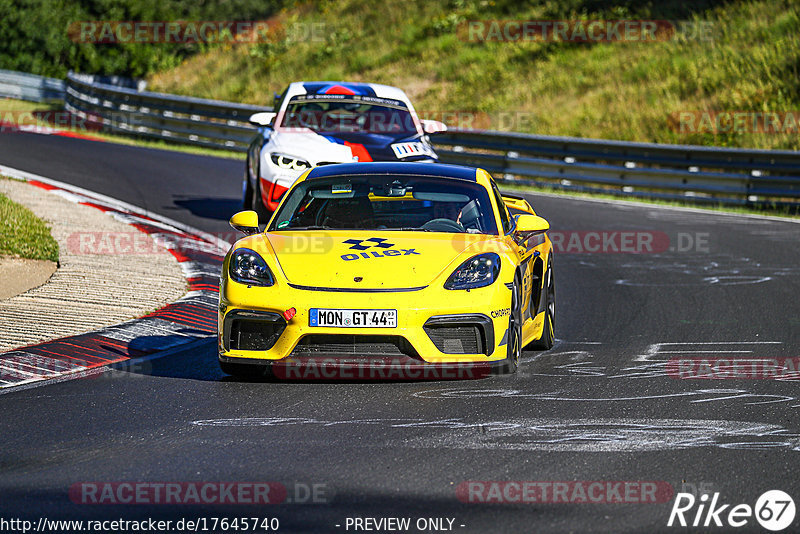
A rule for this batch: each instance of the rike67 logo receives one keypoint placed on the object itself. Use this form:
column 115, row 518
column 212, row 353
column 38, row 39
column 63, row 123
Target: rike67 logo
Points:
column 774, row 510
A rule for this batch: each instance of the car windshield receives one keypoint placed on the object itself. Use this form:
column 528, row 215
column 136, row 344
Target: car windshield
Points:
column 387, row 202
column 358, row 114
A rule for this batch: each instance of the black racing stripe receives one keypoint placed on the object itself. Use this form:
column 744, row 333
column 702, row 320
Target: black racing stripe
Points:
column 406, row 168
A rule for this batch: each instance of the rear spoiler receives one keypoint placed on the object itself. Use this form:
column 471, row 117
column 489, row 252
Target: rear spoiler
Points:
column 517, row 204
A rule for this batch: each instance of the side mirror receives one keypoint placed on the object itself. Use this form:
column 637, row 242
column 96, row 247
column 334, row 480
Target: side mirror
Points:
column 263, row 118
column 432, row 127
column 530, row 225
column 245, row 222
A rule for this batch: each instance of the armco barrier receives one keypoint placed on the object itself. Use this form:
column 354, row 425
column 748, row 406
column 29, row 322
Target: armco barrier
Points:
column 30, row 87
column 640, row 169
column 695, row 173
column 182, row 119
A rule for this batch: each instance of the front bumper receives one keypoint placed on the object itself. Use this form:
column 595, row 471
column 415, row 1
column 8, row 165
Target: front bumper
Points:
column 433, row 325
column 273, row 188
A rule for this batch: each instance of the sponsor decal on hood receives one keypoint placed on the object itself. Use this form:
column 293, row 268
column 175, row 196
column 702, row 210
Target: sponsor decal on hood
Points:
column 387, row 260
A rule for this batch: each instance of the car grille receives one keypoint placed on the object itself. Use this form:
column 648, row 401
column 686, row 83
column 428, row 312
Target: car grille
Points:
column 338, row 345
column 456, row 339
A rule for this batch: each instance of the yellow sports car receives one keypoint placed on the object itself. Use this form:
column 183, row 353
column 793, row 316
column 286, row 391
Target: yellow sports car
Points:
column 415, row 264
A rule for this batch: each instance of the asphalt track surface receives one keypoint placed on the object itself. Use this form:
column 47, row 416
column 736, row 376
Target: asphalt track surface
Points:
column 599, row 406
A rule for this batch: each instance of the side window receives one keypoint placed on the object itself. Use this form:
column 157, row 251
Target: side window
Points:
column 505, row 220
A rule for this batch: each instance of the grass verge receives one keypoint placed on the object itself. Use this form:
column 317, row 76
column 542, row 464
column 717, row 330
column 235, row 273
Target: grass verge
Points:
column 23, row 234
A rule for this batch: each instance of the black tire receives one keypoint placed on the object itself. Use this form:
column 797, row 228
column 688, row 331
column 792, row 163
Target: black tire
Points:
column 549, row 295
column 257, row 205
column 243, row 370
column 247, row 200
column 514, row 341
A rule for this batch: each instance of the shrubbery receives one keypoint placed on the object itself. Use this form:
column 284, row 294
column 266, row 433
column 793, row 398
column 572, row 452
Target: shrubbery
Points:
column 34, row 35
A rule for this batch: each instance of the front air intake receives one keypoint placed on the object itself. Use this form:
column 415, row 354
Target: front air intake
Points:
column 251, row 330
column 456, row 339
column 461, row 334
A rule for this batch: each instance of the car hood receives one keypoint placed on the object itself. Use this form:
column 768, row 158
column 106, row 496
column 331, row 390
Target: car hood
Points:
column 310, row 146
column 370, row 260
column 344, row 147
column 383, row 147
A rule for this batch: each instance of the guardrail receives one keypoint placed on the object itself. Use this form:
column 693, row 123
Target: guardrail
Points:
column 195, row 121
column 30, row 87
column 695, row 173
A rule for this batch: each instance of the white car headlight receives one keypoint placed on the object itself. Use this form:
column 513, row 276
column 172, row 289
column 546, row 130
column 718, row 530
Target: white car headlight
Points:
column 478, row 271
column 288, row 162
column 248, row 267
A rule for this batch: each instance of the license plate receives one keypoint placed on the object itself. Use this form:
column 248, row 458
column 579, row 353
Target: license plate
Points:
column 352, row 318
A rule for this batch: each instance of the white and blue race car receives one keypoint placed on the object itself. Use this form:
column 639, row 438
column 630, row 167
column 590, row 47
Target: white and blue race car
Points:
column 317, row 123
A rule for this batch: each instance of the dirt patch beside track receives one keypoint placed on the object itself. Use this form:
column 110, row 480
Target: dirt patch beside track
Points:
column 18, row 275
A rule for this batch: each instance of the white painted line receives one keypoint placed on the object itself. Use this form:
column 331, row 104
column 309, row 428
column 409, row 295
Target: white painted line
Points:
column 8, row 361
column 705, row 351
column 11, row 370
column 112, row 202
column 721, row 342
column 655, row 349
column 55, row 379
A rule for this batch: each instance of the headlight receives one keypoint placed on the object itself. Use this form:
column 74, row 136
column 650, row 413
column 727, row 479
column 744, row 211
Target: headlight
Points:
column 247, row 267
column 478, row 271
column 288, row 162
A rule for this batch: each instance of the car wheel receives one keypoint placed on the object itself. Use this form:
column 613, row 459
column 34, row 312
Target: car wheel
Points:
column 514, row 341
column 548, row 332
column 247, row 200
column 257, row 205
column 243, row 370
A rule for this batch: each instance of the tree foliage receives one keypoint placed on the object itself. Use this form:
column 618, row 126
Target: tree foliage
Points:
column 35, row 34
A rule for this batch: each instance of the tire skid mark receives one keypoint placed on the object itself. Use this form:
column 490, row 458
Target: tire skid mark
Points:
column 544, row 434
